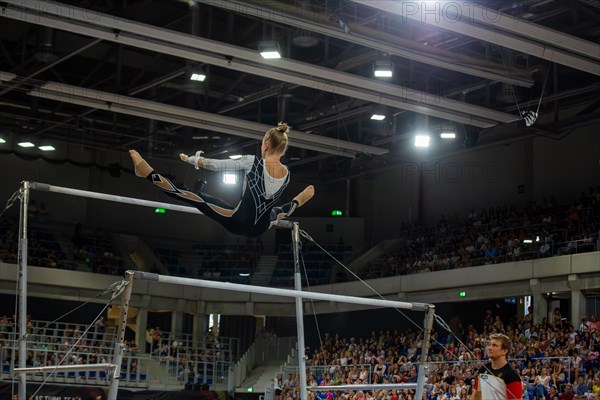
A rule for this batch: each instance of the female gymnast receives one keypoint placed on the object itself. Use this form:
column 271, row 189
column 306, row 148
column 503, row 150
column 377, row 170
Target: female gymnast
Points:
column 264, row 181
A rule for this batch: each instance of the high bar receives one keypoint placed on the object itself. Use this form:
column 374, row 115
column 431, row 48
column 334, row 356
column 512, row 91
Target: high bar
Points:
column 372, row 386
column 236, row 287
column 111, row 197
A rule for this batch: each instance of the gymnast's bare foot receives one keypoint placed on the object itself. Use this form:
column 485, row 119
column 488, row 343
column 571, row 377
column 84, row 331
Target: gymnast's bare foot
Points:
column 305, row 195
column 142, row 168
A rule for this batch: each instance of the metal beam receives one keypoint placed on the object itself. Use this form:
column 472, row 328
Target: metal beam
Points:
column 241, row 59
column 198, row 119
column 522, row 27
column 299, row 294
column 293, row 16
column 51, row 65
column 535, row 46
column 157, row 81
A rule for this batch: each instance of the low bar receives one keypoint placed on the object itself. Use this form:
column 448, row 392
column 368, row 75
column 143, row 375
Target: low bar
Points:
column 236, row 287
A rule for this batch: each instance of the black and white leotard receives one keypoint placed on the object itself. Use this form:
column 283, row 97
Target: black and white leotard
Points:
column 256, row 209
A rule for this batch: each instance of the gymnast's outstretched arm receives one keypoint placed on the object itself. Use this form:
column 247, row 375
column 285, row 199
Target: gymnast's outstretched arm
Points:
column 242, row 163
column 288, row 209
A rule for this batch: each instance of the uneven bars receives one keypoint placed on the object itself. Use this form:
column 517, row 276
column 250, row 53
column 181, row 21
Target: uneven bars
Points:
column 363, row 386
column 62, row 368
column 236, row 287
column 111, row 197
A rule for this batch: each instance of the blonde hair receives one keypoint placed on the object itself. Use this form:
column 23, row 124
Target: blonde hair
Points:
column 278, row 138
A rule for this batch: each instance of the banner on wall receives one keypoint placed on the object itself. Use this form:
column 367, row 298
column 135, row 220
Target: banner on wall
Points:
column 71, row 392
column 54, row 392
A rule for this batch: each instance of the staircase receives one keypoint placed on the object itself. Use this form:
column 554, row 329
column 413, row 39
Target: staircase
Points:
column 260, row 378
column 264, row 270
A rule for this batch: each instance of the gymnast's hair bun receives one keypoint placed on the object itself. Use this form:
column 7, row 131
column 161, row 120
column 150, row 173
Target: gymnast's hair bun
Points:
column 282, row 127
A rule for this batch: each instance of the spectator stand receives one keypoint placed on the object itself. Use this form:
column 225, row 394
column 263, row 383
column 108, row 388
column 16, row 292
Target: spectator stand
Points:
column 493, row 236
column 215, row 261
column 318, row 266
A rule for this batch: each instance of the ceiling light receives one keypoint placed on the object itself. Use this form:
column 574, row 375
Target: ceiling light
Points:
column 199, row 77
column 269, row 50
column 378, row 117
column 448, row 135
column 26, row 143
column 46, row 148
column 244, row 274
column 422, row 141
column 383, row 69
column 192, row 118
column 235, row 156
column 229, row 178
column 2, row 140
column 527, row 241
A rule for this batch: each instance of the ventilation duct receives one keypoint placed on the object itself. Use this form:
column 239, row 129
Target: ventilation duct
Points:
column 304, row 38
column 508, row 94
column 45, row 48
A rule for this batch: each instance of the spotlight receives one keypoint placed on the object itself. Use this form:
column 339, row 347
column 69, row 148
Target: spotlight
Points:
column 25, row 143
column 448, row 135
column 378, row 117
column 2, row 140
column 229, row 178
column 269, row 50
column 383, row 69
column 46, row 148
column 422, row 141
column 197, row 76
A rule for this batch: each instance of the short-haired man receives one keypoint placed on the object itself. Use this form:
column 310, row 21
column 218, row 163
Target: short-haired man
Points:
column 497, row 380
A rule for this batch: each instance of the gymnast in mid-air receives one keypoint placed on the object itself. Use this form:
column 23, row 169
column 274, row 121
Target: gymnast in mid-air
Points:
column 265, row 180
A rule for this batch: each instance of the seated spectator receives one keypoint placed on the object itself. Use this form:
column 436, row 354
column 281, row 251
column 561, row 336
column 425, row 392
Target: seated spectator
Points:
column 594, row 323
column 552, row 393
column 568, row 393
column 596, row 387
column 541, row 385
column 581, row 388
column 490, row 250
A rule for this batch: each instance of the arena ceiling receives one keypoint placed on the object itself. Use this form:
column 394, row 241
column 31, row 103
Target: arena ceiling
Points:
column 116, row 75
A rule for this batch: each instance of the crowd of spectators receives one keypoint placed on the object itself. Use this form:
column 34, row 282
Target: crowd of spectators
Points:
column 568, row 356
column 189, row 361
column 52, row 344
column 487, row 236
column 84, row 251
column 495, row 235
